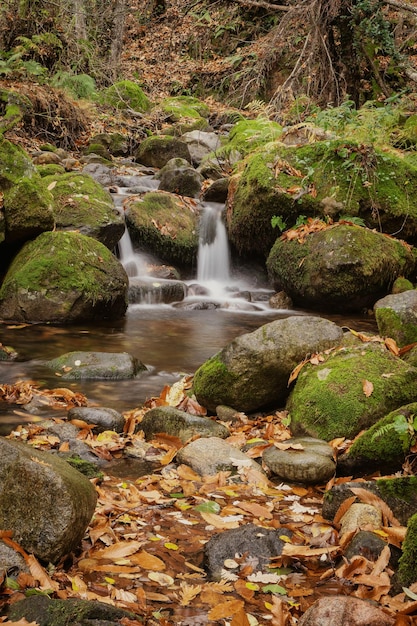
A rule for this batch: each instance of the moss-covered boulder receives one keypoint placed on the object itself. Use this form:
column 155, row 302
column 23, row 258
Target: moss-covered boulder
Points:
column 15, row 164
column 28, row 210
column 247, row 135
column 349, row 391
column 407, row 570
column 341, row 268
column 186, row 113
column 79, row 365
column 81, row 203
column 157, row 150
column 253, row 370
column 334, row 178
column 396, row 316
column 114, row 144
column 385, row 444
column 125, row 94
column 164, row 225
column 64, row 277
column 178, row 176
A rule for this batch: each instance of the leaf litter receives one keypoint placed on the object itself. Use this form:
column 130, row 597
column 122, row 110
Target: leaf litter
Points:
column 144, row 548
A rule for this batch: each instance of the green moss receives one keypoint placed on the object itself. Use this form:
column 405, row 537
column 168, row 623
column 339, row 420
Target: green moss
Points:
column 28, row 207
column 165, row 226
column 402, row 284
column 213, row 381
column 185, row 106
column 329, row 401
column 85, row 467
column 15, row 164
column 401, row 487
column 407, row 570
column 50, row 169
column 247, row 135
column 390, row 324
column 126, row 94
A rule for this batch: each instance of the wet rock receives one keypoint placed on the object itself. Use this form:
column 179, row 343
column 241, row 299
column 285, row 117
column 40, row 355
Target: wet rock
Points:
column 64, row 277
column 217, row 191
column 148, row 291
column 198, row 305
column 103, row 418
column 207, row 456
column 46, row 158
column 280, row 300
column 80, row 365
column 227, row 413
column 348, row 391
column 307, row 460
column 46, row 612
column 28, row 210
column 396, row 316
column 43, row 500
column 252, row 371
column 102, row 174
column 166, row 419
column 344, row 611
column 367, row 544
column 246, row 544
column 360, row 515
column 178, row 176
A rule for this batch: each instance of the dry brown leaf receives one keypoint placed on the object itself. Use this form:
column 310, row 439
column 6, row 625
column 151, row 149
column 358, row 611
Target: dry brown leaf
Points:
column 188, row 593
column 290, row 549
column 240, row 618
column 367, row 387
column 225, row 609
column 256, row 509
column 40, row 574
column 118, row 550
column 157, row 597
column 346, row 504
column 218, row 522
column 148, row 561
column 370, row 498
column 391, row 344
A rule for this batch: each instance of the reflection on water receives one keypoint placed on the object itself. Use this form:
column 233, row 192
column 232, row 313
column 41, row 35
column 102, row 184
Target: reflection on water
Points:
column 170, row 342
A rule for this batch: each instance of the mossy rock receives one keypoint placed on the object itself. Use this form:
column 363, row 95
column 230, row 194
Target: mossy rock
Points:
column 247, row 135
column 126, row 94
column 186, row 113
column 157, row 150
column 327, row 178
column 82, row 204
column 396, row 316
column 349, row 391
column 115, row 144
column 28, row 209
column 50, row 169
column 407, row 570
column 341, row 268
column 401, row 284
column 64, row 277
column 15, row 164
column 13, row 106
column 252, row 371
column 164, row 225
column 386, row 443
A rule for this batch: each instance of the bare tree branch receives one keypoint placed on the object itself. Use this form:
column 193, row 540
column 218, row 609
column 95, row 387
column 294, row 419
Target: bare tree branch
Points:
column 265, row 5
column 399, row 4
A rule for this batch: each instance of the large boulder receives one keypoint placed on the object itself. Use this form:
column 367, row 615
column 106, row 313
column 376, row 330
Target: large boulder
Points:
column 186, row 113
column 396, row 316
column 28, row 210
column 200, row 144
column 157, row 150
column 349, row 390
column 126, row 94
column 252, row 371
column 337, row 178
column 178, row 176
column 15, row 164
column 164, row 225
column 81, row 203
column 80, row 365
column 43, row 500
column 64, row 277
column 341, row 268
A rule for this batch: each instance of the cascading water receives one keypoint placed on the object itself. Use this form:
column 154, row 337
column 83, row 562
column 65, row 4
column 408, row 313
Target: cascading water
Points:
column 213, row 263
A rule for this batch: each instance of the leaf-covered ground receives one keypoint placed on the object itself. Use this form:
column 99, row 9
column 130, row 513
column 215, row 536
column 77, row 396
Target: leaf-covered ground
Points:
column 144, row 548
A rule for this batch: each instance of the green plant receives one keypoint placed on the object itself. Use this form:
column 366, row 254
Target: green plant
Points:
column 78, row 85
column 405, row 427
column 278, row 222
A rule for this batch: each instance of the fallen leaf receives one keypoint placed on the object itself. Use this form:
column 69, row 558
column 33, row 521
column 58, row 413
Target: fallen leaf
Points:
column 367, row 387
column 225, row 609
column 148, row 561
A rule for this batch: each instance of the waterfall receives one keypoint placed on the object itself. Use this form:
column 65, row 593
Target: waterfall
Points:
column 133, row 262
column 213, row 263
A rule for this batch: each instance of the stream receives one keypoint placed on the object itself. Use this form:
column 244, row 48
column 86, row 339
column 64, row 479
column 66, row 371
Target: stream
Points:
column 170, row 339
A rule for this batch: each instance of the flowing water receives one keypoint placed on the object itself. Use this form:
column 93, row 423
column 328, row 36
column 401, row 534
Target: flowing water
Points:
column 170, row 340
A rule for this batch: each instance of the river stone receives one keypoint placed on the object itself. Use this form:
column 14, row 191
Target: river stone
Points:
column 313, row 464
column 342, row 268
column 156, row 291
column 359, row 515
column 208, row 456
column 200, row 143
column 178, row 176
column 44, row 611
column 396, row 316
column 252, row 371
column 104, row 418
column 64, row 277
column 11, row 561
column 167, row 419
column 349, row 391
column 400, row 493
column 28, row 210
column 43, row 500
column 255, row 543
column 344, row 611
column 82, row 204
column 80, row 365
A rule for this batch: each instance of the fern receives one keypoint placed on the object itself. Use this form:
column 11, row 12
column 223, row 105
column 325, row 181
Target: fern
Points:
column 405, row 427
column 78, row 85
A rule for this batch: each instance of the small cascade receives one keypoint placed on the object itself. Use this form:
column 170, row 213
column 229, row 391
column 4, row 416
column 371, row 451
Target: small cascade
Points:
column 133, row 262
column 213, row 264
